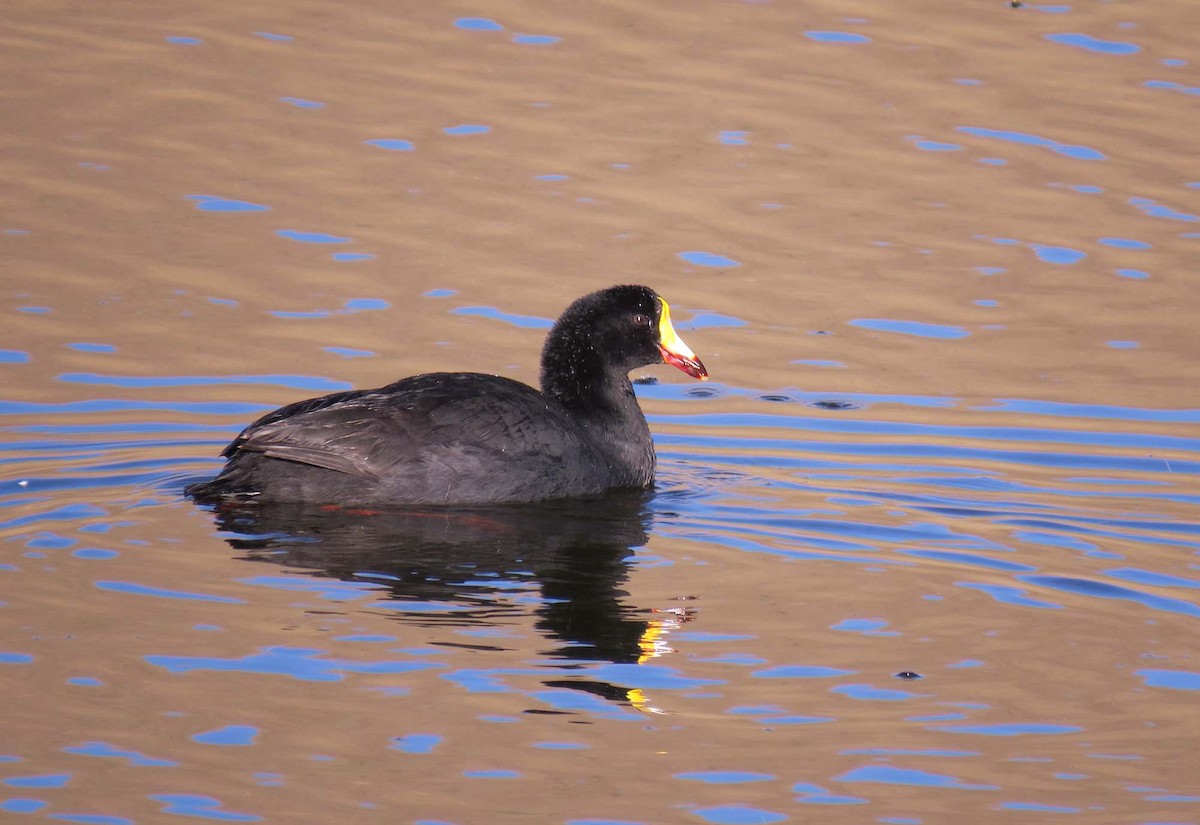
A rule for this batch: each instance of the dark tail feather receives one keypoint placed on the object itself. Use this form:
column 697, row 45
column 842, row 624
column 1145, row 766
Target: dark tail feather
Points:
column 204, row 490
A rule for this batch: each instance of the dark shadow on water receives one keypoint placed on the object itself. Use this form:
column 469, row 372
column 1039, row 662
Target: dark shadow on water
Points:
column 564, row 561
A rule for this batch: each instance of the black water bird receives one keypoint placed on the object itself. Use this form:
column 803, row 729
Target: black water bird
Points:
column 470, row 438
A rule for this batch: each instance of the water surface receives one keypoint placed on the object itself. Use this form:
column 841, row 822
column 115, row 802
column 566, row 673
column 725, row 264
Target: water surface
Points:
column 925, row 550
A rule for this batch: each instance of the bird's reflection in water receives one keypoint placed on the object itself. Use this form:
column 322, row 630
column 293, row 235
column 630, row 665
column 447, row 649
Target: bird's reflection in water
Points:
column 476, row 566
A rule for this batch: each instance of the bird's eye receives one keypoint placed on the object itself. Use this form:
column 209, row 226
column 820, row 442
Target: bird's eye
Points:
column 640, row 320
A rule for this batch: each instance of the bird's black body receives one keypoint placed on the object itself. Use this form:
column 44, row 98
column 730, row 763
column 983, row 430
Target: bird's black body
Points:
column 470, row 438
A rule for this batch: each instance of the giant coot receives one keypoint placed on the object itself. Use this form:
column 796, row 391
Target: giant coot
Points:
column 470, row 438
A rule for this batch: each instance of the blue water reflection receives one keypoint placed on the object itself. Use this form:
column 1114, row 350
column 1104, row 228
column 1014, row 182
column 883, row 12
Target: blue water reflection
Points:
column 302, row 103
column 492, row 313
column 305, row 664
column 298, row 382
column 1024, row 139
column 890, row 775
column 919, row 329
column 310, row 237
column 1123, row 243
column 132, row 588
column 738, row 815
column 228, row 736
column 1094, row 44
column 106, row 751
column 1061, row 255
column 467, row 129
column 836, row 37
column 1012, row 729
column 934, row 145
column 1037, row 806
column 478, row 24
column 1172, row 86
column 200, row 807
column 535, row 39
column 216, row 203
column 709, row 259
column 20, row 805
column 870, row 693
column 392, row 144
column 811, row 794
column 1148, row 206
column 1173, row 679
column 416, row 743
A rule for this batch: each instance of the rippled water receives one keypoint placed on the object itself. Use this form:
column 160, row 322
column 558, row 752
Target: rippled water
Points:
column 925, row 549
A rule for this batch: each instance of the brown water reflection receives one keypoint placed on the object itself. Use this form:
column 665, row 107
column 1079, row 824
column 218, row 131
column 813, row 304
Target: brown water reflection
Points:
column 981, row 239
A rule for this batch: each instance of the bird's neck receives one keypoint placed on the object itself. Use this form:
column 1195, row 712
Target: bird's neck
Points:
column 600, row 397
column 590, row 390
column 575, row 374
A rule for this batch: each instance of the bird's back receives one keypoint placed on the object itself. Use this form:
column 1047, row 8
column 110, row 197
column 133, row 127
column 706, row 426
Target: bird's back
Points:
column 430, row 439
